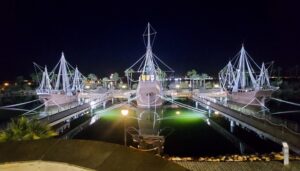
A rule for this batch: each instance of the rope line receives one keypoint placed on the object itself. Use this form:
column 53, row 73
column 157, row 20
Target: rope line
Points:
column 18, row 104
column 284, row 101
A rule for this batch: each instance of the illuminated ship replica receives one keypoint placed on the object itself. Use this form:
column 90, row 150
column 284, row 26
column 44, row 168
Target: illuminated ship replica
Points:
column 149, row 90
column 60, row 88
column 242, row 84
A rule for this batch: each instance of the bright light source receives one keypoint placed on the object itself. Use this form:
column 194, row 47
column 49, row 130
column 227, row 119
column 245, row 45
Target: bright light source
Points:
column 177, row 86
column 124, row 112
column 217, row 112
column 93, row 120
column 87, row 87
column 177, row 112
column 124, row 86
column 207, row 121
column 92, row 104
column 6, row 84
column 29, row 83
column 216, row 85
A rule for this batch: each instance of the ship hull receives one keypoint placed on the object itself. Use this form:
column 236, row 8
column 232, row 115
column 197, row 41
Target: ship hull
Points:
column 57, row 99
column 252, row 98
column 148, row 94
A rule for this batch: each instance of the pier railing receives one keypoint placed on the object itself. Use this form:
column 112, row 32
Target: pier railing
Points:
column 290, row 125
column 263, row 126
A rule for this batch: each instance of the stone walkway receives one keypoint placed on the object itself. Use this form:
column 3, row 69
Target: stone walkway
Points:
column 240, row 166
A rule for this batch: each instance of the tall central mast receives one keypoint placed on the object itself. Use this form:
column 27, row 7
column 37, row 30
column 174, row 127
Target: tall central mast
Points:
column 63, row 74
column 149, row 67
column 244, row 71
column 148, row 38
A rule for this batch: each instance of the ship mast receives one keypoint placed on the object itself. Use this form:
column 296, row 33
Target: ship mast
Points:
column 77, row 81
column 45, row 85
column 263, row 79
column 63, row 74
column 149, row 67
column 227, row 76
column 244, row 70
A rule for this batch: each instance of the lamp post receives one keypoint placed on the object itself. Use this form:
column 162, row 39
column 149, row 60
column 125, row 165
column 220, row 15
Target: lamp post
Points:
column 124, row 112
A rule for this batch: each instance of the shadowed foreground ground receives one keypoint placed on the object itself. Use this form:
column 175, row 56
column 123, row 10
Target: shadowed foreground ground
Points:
column 87, row 154
column 95, row 155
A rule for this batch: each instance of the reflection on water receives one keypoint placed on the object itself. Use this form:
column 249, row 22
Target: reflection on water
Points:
column 175, row 131
column 147, row 135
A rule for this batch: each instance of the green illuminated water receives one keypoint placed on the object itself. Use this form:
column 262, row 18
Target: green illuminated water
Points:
column 189, row 134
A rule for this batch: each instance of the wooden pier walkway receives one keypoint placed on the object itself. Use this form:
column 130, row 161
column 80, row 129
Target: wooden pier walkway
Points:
column 265, row 128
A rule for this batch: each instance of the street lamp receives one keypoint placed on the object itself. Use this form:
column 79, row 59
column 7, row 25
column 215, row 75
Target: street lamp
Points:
column 124, row 112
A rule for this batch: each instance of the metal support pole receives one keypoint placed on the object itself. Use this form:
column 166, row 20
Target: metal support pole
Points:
column 285, row 151
column 242, row 148
column 196, row 104
column 104, row 104
column 231, row 126
column 125, row 132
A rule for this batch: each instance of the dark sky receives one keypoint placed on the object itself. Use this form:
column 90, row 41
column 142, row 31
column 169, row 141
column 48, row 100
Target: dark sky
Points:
column 106, row 36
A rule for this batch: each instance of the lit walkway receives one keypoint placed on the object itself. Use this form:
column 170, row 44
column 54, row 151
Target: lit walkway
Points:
column 66, row 114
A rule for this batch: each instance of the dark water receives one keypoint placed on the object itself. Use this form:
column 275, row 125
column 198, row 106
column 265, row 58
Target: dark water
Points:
column 276, row 106
column 187, row 133
column 7, row 115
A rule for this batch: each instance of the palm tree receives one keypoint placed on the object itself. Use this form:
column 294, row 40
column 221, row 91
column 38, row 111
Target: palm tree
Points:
column 92, row 77
column 35, row 77
column 128, row 74
column 115, row 78
column 104, row 81
column 162, row 75
column 192, row 74
column 204, row 76
column 23, row 129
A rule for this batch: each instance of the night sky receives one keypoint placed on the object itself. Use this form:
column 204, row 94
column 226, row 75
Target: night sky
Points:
column 106, row 36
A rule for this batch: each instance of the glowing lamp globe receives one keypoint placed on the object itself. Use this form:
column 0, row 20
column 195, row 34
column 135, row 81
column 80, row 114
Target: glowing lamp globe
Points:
column 124, row 112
